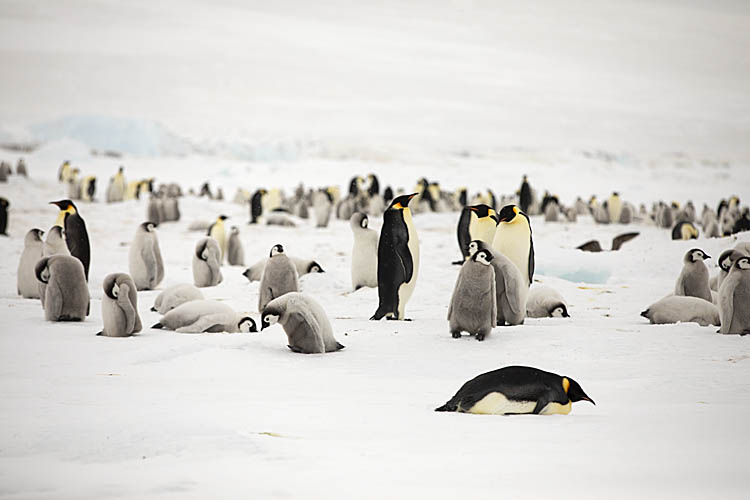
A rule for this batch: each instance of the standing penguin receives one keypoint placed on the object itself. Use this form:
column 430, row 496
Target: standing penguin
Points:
column 256, row 205
column 120, row 307
column 304, row 321
column 235, row 251
column 21, row 168
column 279, row 277
column 152, row 211
column 510, row 287
column 398, row 259
column 218, row 232
column 28, row 286
column 473, row 306
column 693, row 279
column 515, row 390
column 66, row 294
column 144, row 258
column 206, row 263
column 725, row 261
column 55, row 243
column 364, row 253
column 734, row 299
column 76, row 236
column 684, row 230
column 614, row 208
column 322, row 207
column 477, row 222
column 513, row 239
column 524, row 196
column 88, row 188
column 4, row 204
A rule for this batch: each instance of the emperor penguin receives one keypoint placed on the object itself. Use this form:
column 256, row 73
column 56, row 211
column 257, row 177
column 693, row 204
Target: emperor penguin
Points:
column 235, row 250
column 734, row 298
column 66, row 294
column 203, row 316
column 279, row 277
column 305, row 323
column 27, row 284
column 614, row 207
column 322, row 207
column 74, row 185
column 256, row 205
column 477, row 222
column 217, row 232
column 171, row 208
column 303, row 266
column 118, row 186
column 398, row 259
column 684, row 230
column 524, row 195
column 144, row 258
column 364, row 253
column 473, row 306
column 120, row 307
column 55, row 243
column 693, row 279
column 4, row 204
column 681, row 309
column 174, row 296
column 206, row 263
column 21, row 168
column 76, row 235
column 510, row 287
column 515, row 390
column 513, row 239
column 153, row 214
column 88, row 188
column 64, row 172
column 725, row 261
column 545, row 302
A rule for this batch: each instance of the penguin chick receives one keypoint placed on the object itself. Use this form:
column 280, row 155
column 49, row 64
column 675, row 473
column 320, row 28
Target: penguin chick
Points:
column 235, row 251
column 322, row 206
column 305, row 322
column 510, row 287
column 218, row 232
column 364, row 252
column 681, row 309
column 55, row 243
column 202, row 316
column 734, row 298
column 65, row 289
column 693, row 280
column 174, row 296
column 303, row 266
column 517, row 390
column 120, row 306
column 473, row 306
column 545, row 302
column 279, row 277
column 207, row 263
column 144, row 258
column 725, row 261
column 27, row 284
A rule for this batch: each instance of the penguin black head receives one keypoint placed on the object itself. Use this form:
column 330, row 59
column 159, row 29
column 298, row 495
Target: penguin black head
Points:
column 314, row 267
column 41, row 270
column 483, row 257
column 65, row 205
column 483, row 211
column 559, row 311
column 235, row 230
column 364, row 221
column 508, row 213
column 247, row 325
column 223, row 217
column 475, row 246
column 4, row 203
column 574, row 391
column 121, row 169
column 200, row 251
column 401, row 202
column 148, row 226
column 727, row 257
column 276, row 249
column 743, row 263
column 695, row 255
column 111, row 289
column 246, row 274
column 269, row 317
column 38, row 233
column 614, row 193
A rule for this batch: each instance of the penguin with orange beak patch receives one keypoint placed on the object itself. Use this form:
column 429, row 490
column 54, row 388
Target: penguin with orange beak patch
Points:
column 76, row 235
column 398, row 259
column 514, row 240
column 477, row 222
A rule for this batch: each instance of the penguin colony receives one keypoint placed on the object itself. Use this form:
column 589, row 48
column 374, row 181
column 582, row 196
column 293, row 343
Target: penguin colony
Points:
column 494, row 288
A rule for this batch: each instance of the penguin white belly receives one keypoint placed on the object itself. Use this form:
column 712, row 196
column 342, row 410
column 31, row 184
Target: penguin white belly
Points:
column 495, row 403
column 556, row 409
column 514, row 241
column 615, row 209
column 482, row 230
column 217, row 233
column 406, row 289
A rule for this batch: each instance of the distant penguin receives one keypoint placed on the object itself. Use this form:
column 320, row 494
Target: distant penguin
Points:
column 693, row 279
column 545, row 302
column 473, row 306
column 256, row 205
column 477, row 222
column 64, row 172
column 552, row 212
column 664, row 217
column 76, row 235
column 614, row 207
column 27, row 284
column 88, row 188
column 398, row 259
column 144, row 258
column 4, row 204
column 66, row 294
column 204, row 316
column 322, row 207
column 152, row 211
column 734, row 299
column 517, row 390
column 279, row 277
column 513, row 239
column 74, row 185
column 684, row 231
column 388, row 194
column 218, row 232
column 21, row 168
column 524, row 196
column 206, row 263
column 627, row 213
column 305, row 322
column 681, row 309
column 235, row 250
column 55, row 243
column 364, row 253
column 373, row 187
column 120, row 307
column 171, row 209
column 174, row 296
column 510, row 287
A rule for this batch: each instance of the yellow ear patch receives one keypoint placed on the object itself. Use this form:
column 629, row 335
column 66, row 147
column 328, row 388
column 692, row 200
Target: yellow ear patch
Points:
column 565, row 384
column 515, row 210
column 398, row 206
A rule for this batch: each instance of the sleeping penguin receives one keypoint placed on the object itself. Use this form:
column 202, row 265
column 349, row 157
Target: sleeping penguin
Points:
column 515, row 390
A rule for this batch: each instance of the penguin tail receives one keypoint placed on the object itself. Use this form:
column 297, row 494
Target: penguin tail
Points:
column 157, row 326
column 645, row 313
column 449, row 406
column 101, row 333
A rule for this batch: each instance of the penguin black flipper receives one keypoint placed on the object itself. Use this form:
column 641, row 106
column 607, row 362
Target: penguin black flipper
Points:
column 531, row 260
column 157, row 326
column 210, row 228
column 622, row 238
column 395, row 265
column 77, row 239
column 464, row 237
column 590, row 246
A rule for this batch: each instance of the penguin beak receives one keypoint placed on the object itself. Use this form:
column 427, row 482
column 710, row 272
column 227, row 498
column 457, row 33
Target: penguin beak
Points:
column 412, row 196
column 495, row 218
column 586, row 398
column 706, row 256
column 263, row 327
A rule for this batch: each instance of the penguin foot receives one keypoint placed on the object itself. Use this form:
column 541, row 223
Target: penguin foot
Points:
column 456, row 335
column 480, row 337
column 100, row 333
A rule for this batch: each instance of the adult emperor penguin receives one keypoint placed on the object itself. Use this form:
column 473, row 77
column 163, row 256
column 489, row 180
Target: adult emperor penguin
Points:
column 473, row 306
column 206, row 263
column 693, row 279
column 684, row 230
column 517, row 390
column 120, row 307
column 513, row 239
column 680, row 309
column 734, row 298
column 174, row 296
column 510, row 287
column 4, row 204
column 201, row 316
column 614, row 208
column 256, row 205
column 235, row 250
column 76, row 236
column 524, row 195
column 477, row 222
column 304, row 321
column 144, row 258
column 64, row 171
column 66, row 294
column 28, row 286
column 398, row 259
column 279, row 277
column 88, row 188
column 55, row 243
column 218, row 232
column 364, row 252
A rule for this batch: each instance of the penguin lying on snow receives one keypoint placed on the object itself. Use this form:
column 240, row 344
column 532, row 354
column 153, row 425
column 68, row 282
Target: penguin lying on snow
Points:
column 617, row 241
column 517, row 390
column 174, row 296
column 304, row 321
column 303, row 266
column 546, row 302
column 684, row 230
column 120, row 306
column 681, row 309
column 201, row 316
